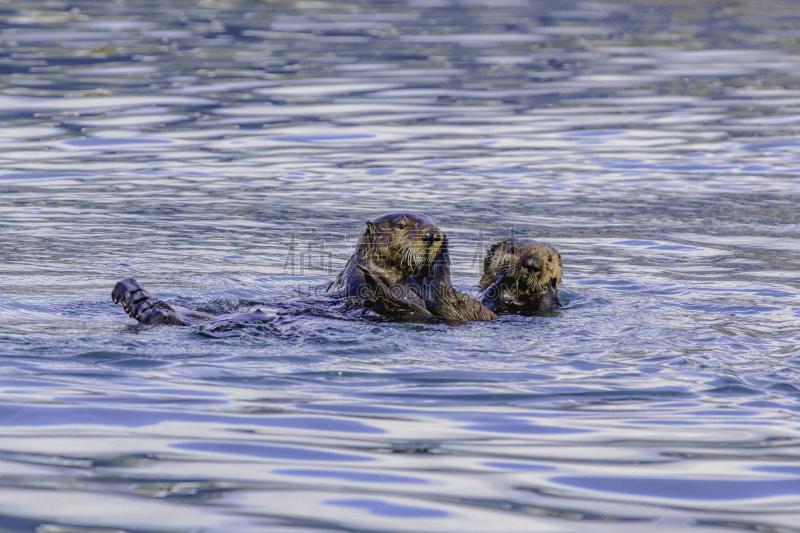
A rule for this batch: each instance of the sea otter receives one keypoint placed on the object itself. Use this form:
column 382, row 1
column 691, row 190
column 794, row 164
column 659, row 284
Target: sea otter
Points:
column 401, row 267
column 521, row 276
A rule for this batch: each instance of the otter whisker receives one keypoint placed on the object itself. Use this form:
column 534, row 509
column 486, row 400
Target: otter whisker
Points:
column 406, row 257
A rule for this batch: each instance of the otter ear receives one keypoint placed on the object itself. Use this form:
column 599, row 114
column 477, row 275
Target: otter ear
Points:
column 369, row 235
column 366, row 240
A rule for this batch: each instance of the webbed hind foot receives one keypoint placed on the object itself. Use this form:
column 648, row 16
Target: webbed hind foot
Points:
column 144, row 307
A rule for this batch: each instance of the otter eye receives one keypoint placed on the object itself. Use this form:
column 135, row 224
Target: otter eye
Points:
column 550, row 258
column 402, row 225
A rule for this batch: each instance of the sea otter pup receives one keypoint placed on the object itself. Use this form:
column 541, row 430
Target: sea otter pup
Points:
column 521, row 276
column 401, row 267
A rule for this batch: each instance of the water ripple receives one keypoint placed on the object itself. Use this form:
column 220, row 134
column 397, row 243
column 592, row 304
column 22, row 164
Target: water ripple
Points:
column 228, row 154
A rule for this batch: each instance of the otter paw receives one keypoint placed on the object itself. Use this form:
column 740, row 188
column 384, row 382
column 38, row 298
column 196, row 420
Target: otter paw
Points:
column 392, row 300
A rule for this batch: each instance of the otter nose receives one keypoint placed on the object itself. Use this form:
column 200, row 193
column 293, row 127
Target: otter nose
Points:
column 532, row 263
column 432, row 235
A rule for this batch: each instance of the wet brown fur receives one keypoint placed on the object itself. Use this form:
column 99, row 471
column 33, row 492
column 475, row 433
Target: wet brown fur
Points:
column 521, row 276
column 394, row 246
column 401, row 267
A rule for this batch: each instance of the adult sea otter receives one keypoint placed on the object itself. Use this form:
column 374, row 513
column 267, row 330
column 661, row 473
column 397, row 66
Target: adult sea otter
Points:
column 401, row 268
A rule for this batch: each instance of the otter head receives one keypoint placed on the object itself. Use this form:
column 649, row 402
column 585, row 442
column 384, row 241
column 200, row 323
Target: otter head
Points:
column 404, row 240
column 530, row 266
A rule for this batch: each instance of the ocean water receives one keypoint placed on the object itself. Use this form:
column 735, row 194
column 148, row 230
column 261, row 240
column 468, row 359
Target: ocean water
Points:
column 224, row 152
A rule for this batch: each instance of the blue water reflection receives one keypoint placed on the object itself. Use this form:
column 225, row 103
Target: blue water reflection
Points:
column 686, row 489
column 360, row 477
column 382, row 508
column 31, row 415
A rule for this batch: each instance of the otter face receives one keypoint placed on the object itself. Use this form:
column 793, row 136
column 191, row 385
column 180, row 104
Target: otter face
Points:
column 407, row 240
column 532, row 266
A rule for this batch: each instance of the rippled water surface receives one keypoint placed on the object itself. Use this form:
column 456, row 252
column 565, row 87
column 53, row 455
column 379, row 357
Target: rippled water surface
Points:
column 230, row 152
